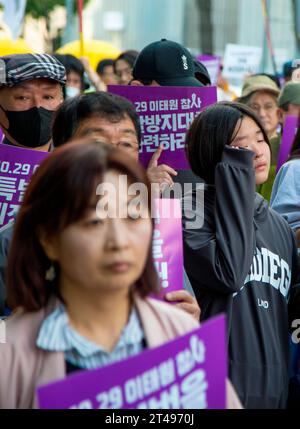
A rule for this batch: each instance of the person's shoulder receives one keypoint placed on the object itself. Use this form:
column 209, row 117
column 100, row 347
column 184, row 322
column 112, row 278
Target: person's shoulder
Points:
column 288, row 174
column 20, row 332
column 290, row 166
column 22, row 327
column 280, row 221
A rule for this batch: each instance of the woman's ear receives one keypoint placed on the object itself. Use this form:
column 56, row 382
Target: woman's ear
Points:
column 49, row 244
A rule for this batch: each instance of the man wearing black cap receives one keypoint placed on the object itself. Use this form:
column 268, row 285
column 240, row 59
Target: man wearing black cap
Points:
column 166, row 63
column 30, row 92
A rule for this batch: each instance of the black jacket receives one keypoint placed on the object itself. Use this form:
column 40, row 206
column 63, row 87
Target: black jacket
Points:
column 242, row 260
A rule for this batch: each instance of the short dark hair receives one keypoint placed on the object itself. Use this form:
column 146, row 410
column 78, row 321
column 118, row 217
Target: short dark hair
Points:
column 72, row 64
column 74, row 110
column 129, row 56
column 210, row 131
column 59, row 193
column 102, row 64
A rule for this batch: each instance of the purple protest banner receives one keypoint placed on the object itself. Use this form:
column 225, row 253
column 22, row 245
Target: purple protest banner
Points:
column 16, row 167
column 165, row 115
column 167, row 245
column 213, row 65
column 289, row 130
column 186, row 373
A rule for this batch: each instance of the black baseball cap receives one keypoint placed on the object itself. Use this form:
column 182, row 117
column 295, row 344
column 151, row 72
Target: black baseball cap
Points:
column 167, row 62
column 201, row 73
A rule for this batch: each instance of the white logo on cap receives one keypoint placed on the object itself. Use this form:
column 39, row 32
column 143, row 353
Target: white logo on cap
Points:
column 184, row 61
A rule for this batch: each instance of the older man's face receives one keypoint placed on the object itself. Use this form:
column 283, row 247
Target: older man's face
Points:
column 121, row 133
column 44, row 93
column 30, row 94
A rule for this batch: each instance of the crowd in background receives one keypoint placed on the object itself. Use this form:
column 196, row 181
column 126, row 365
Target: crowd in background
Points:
column 75, row 289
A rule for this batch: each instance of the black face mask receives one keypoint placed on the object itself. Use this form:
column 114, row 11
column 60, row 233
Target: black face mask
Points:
column 30, row 128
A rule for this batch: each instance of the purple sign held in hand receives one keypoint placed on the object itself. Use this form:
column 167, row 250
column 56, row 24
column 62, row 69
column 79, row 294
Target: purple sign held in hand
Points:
column 213, row 65
column 16, row 167
column 186, row 373
column 289, row 130
column 165, row 115
column 167, row 245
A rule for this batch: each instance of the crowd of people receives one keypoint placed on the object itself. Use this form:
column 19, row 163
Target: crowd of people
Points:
column 77, row 288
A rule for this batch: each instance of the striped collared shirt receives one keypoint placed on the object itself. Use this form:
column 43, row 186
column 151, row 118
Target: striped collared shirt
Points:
column 56, row 334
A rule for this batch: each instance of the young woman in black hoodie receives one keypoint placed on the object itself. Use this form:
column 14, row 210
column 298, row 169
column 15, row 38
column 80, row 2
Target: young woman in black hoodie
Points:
column 240, row 256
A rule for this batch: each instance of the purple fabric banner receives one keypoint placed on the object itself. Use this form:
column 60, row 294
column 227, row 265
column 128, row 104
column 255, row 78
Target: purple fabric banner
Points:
column 167, row 245
column 213, row 65
column 186, row 373
column 16, row 167
column 289, row 130
column 165, row 115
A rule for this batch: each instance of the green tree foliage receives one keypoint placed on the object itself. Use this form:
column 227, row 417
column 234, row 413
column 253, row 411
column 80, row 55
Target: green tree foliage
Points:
column 38, row 8
column 41, row 8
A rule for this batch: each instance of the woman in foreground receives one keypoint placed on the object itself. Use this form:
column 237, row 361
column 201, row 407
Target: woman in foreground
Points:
column 78, row 279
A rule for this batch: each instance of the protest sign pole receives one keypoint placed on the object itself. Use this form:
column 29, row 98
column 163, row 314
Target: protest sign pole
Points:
column 268, row 33
column 79, row 8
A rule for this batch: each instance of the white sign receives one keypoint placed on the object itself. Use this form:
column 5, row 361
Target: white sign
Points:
column 113, row 21
column 241, row 61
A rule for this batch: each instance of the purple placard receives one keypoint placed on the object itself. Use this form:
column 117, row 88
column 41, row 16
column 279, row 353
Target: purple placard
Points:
column 165, row 115
column 167, row 245
column 16, row 167
column 188, row 372
column 289, row 130
column 213, row 65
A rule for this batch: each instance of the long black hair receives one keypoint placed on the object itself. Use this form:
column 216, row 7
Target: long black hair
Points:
column 211, row 131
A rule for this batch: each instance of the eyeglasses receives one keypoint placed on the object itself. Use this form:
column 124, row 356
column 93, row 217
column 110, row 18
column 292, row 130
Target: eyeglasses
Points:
column 128, row 146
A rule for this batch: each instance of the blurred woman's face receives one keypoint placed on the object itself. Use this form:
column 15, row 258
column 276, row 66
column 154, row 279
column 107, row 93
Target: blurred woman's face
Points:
column 265, row 106
column 74, row 80
column 248, row 135
column 123, row 72
column 99, row 253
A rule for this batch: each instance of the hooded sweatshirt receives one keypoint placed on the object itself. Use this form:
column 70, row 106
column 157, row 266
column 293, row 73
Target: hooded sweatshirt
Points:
column 241, row 259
